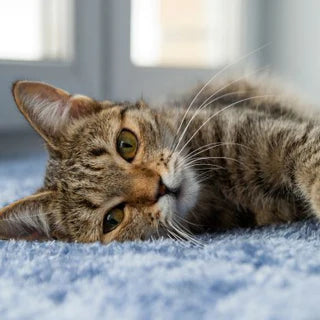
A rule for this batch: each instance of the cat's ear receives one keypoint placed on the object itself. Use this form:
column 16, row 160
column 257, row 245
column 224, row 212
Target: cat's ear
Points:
column 27, row 218
column 49, row 110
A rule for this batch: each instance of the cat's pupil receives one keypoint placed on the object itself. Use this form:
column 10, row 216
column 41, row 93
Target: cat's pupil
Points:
column 112, row 220
column 125, row 145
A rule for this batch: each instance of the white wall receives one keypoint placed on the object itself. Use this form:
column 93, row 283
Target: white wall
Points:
column 293, row 27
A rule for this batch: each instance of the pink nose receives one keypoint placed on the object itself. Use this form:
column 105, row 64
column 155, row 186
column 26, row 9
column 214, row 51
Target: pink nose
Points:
column 162, row 189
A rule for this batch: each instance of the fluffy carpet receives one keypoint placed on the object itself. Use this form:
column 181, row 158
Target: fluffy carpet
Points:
column 268, row 273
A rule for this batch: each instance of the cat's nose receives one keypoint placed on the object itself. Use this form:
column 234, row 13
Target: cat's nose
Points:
column 164, row 190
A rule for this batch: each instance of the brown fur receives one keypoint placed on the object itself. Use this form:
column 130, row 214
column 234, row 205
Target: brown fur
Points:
column 261, row 165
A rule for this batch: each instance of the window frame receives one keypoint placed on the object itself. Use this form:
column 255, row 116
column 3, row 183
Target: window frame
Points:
column 128, row 81
column 102, row 67
column 82, row 74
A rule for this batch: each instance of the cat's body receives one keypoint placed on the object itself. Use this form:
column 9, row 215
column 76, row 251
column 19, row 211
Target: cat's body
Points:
column 241, row 157
column 255, row 148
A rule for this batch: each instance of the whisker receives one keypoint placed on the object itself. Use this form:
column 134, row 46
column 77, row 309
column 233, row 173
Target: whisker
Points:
column 214, row 145
column 177, row 237
column 170, row 233
column 220, row 111
column 189, row 222
column 208, row 102
column 210, row 146
column 198, row 167
column 157, row 230
column 213, row 158
column 201, row 107
column 226, row 67
column 185, row 234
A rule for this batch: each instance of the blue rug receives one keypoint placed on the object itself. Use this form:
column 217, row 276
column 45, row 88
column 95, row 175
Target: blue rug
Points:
column 268, row 273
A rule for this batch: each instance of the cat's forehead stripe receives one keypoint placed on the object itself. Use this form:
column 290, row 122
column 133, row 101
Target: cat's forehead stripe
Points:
column 123, row 111
column 126, row 108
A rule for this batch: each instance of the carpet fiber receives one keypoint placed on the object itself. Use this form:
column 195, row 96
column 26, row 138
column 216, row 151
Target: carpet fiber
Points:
column 268, row 273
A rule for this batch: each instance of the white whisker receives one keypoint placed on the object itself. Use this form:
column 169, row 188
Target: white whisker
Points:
column 208, row 101
column 214, row 158
column 220, row 111
column 226, row 67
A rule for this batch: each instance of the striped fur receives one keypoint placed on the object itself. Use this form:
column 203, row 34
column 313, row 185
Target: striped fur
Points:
column 242, row 157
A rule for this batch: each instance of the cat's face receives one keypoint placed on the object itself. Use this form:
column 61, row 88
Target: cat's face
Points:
column 114, row 173
column 119, row 178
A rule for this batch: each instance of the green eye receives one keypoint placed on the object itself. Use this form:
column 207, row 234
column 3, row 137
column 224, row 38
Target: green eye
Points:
column 127, row 145
column 112, row 219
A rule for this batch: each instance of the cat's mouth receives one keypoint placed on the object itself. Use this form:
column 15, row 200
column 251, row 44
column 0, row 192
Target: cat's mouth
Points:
column 181, row 194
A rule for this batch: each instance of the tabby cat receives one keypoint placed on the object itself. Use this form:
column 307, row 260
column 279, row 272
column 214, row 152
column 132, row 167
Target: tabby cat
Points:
column 231, row 155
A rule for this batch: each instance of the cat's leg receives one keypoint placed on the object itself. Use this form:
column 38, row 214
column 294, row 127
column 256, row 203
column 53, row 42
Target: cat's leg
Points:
column 276, row 167
column 295, row 164
column 308, row 176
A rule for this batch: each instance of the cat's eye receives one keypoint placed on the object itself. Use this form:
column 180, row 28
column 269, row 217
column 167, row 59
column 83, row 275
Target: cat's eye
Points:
column 127, row 145
column 112, row 219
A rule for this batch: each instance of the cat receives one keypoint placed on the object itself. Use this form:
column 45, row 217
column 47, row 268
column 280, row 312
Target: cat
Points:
column 228, row 155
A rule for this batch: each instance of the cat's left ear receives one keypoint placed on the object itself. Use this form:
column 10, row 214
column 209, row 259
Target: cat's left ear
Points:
column 50, row 110
column 27, row 218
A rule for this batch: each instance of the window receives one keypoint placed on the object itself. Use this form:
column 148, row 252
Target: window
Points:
column 185, row 33
column 54, row 41
column 120, row 50
column 36, row 30
column 162, row 46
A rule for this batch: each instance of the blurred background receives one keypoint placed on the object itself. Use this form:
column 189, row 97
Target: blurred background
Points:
column 125, row 49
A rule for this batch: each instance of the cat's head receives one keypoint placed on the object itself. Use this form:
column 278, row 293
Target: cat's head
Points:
column 113, row 172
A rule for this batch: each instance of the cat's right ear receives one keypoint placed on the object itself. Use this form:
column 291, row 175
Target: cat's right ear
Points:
column 27, row 218
column 50, row 110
